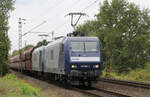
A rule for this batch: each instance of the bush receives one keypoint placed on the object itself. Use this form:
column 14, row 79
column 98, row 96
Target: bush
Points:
column 13, row 87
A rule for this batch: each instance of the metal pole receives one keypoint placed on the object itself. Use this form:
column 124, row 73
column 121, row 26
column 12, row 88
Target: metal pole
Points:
column 20, row 42
column 25, row 54
column 20, row 34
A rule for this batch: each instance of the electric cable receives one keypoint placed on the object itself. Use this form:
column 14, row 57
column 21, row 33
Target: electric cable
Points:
column 58, row 27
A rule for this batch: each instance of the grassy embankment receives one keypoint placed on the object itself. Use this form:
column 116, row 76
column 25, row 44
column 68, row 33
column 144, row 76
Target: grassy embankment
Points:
column 11, row 86
column 139, row 75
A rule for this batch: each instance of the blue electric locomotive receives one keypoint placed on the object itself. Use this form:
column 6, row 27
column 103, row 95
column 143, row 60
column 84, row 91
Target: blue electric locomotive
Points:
column 74, row 59
column 83, row 59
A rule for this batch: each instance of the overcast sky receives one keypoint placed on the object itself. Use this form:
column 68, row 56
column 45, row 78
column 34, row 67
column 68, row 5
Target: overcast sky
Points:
column 53, row 12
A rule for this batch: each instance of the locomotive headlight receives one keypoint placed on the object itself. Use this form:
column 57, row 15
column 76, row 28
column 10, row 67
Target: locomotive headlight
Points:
column 96, row 66
column 74, row 66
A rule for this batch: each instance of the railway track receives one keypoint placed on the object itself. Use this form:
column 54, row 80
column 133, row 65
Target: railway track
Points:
column 128, row 83
column 102, row 92
column 89, row 91
column 96, row 92
column 133, row 89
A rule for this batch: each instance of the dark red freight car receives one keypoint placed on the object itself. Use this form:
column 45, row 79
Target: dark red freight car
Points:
column 25, row 63
column 28, row 61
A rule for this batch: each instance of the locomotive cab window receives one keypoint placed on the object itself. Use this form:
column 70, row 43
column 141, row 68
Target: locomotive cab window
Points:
column 84, row 46
column 91, row 47
column 77, row 47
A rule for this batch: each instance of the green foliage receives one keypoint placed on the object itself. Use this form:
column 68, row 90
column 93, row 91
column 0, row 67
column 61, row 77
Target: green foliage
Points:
column 141, row 75
column 27, row 47
column 44, row 42
column 90, row 26
column 27, row 89
column 13, row 87
column 10, row 77
column 5, row 8
column 124, row 30
column 16, row 52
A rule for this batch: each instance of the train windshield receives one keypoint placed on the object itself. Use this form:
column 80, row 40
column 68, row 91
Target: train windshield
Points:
column 84, row 46
column 77, row 47
column 91, row 46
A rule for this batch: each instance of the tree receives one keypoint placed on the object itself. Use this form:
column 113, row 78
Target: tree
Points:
column 124, row 30
column 44, row 42
column 16, row 52
column 86, row 29
column 5, row 7
column 27, row 47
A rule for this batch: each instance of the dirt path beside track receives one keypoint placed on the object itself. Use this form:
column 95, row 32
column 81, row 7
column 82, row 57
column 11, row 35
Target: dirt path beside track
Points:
column 48, row 89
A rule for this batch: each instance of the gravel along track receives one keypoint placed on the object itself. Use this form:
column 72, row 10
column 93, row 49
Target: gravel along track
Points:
column 132, row 89
column 54, row 89
column 102, row 89
column 49, row 89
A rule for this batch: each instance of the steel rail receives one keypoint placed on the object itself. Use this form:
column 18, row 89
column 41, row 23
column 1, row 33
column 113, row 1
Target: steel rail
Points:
column 96, row 92
column 112, row 93
column 129, row 83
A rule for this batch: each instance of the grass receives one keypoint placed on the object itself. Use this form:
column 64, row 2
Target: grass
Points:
column 139, row 75
column 11, row 86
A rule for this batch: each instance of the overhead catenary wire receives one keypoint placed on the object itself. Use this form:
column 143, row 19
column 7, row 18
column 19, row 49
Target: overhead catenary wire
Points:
column 58, row 27
column 58, row 6
column 62, row 24
column 57, row 14
column 34, row 28
column 51, row 8
column 89, row 5
column 73, row 4
column 65, row 22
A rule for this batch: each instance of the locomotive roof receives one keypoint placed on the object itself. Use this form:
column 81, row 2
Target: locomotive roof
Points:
column 57, row 41
column 63, row 39
column 83, row 38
